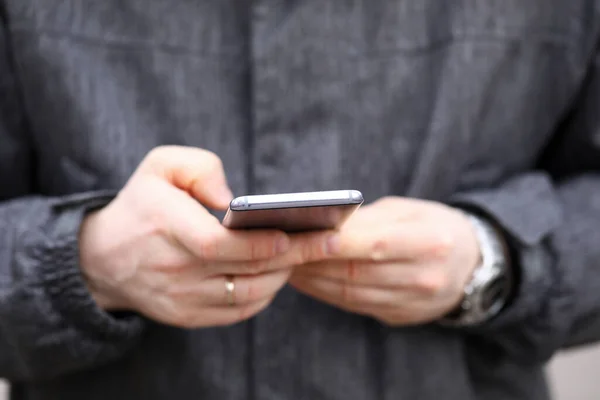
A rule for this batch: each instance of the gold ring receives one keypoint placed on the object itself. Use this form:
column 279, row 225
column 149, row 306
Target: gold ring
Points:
column 230, row 290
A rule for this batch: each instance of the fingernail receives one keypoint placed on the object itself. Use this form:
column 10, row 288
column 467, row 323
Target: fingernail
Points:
column 332, row 245
column 282, row 245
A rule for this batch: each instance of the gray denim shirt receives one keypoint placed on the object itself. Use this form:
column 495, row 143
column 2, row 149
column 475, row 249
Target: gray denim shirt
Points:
column 487, row 104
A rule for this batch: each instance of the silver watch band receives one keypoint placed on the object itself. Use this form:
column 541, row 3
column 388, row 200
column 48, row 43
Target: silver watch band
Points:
column 490, row 285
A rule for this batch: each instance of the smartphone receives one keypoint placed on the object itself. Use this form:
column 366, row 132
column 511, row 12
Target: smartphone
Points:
column 293, row 212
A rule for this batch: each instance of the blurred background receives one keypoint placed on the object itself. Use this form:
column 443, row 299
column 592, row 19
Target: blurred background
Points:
column 574, row 375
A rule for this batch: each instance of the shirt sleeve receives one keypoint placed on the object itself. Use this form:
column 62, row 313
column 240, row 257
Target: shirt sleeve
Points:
column 49, row 323
column 550, row 217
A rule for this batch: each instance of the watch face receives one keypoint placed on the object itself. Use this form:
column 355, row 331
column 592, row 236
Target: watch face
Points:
column 494, row 293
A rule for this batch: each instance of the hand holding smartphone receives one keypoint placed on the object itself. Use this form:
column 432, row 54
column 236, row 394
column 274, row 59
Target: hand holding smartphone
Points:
column 293, row 212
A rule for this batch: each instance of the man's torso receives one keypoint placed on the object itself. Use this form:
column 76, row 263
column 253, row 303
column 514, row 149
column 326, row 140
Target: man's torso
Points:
column 393, row 97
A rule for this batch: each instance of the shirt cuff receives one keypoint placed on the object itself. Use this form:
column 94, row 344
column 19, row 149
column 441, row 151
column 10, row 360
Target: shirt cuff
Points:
column 526, row 212
column 55, row 248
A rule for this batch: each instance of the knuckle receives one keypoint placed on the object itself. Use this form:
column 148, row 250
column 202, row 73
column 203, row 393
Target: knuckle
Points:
column 387, row 320
column 256, row 250
column 258, row 268
column 441, row 244
column 252, row 250
column 431, row 283
column 352, row 271
column 184, row 318
column 158, row 160
column 348, row 294
column 250, row 310
column 154, row 154
column 211, row 160
column 157, row 223
column 311, row 249
column 158, row 154
column 209, row 248
column 191, row 323
column 305, row 255
column 308, row 253
column 399, row 317
column 380, row 248
column 245, row 312
column 174, row 291
column 253, row 292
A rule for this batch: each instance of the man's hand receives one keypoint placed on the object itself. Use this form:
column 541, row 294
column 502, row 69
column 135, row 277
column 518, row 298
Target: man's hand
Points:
column 401, row 261
column 156, row 250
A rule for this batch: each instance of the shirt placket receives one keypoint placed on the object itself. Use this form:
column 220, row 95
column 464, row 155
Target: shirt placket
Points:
column 269, row 336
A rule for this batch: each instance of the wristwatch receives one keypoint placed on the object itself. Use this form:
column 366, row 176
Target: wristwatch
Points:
column 491, row 283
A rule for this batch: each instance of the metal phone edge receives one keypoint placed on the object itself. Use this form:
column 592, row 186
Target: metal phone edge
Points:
column 323, row 199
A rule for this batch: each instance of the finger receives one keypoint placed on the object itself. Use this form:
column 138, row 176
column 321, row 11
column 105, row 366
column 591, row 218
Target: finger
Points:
column 219, row 243
column 400, row 241
column 254, row 251
column 366, row 273
column 203, row 235
column 196, row 171
column 418, row 278
column 405, row 315
column 293, row 257
column 213, row 292
column 311, row 247
column 282, row 261
column 346, row 295
column 410, row 312
column 219, row 316
column 218, row 268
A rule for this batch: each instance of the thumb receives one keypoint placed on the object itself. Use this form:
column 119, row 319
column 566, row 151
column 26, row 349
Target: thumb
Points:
column 196, row 171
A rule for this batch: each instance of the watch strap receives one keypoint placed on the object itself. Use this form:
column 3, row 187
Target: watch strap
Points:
column 488, row 290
